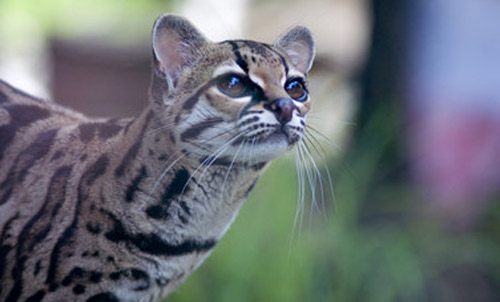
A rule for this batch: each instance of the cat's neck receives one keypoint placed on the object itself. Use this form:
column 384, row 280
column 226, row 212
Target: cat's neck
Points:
column 171, row 187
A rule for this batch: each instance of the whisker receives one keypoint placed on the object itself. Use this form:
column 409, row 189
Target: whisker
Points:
column 208, row 162
column 169, row 167
column 299, row 209
column 318, row 175
column 322, row 152
column 314, row 132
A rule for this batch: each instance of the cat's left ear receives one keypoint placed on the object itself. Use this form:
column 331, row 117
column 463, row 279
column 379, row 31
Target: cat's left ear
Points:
column 176, row 43
column 298, row 45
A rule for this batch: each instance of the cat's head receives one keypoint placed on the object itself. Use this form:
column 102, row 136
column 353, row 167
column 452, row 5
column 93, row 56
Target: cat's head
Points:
column 233, row 101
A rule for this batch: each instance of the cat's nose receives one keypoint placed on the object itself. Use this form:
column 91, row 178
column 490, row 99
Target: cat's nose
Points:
column 282, row 109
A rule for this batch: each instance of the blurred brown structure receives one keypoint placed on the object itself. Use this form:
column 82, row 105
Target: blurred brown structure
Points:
column 99, row 80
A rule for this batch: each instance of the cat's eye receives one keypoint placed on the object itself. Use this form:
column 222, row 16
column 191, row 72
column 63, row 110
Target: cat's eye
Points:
column 233, row 85
column 296, row 90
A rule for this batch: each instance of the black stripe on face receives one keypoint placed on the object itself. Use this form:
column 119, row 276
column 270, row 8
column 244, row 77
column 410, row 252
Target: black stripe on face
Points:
column 191, row 102
column 196, row 129
column 282, row 58
column 153, row 244
column 239, row 59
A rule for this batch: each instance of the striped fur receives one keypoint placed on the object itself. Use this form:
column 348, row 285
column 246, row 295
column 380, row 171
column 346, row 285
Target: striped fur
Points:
column 126, row 209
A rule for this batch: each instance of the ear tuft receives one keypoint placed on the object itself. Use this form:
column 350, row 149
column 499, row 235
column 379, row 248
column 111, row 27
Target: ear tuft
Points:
column 175, row 45
column 298, row 45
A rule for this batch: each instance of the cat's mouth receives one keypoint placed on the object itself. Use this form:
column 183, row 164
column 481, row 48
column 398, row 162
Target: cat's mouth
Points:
column 279, row 135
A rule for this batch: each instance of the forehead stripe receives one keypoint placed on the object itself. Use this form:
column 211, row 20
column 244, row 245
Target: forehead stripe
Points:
column 239, row 59
column 282, row 58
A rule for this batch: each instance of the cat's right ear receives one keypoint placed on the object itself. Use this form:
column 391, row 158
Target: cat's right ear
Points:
column 175, row 46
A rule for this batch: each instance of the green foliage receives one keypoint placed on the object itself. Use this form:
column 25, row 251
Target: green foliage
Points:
column 124, row 22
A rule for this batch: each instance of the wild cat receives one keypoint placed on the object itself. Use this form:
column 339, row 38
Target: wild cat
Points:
column 125, row 209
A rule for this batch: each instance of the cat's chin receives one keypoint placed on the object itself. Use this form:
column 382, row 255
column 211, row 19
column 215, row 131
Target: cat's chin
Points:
column 275, row 145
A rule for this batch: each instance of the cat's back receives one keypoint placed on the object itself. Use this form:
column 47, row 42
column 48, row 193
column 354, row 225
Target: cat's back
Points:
column 42, row 156
column 29, row 130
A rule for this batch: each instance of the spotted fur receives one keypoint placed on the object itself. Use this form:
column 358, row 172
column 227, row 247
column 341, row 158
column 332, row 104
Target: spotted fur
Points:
column 125, row 209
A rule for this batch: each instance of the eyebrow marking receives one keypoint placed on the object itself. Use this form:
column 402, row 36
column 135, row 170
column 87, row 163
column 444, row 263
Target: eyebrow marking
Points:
column 233, row 68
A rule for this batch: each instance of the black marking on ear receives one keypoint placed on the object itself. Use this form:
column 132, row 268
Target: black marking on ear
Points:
column 196, row 129
column 103, row 297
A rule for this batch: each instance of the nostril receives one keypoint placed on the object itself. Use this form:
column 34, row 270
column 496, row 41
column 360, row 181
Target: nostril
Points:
column 282, row 109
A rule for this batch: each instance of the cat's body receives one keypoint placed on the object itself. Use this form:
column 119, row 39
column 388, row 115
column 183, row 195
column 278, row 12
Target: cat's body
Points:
column 125, row 210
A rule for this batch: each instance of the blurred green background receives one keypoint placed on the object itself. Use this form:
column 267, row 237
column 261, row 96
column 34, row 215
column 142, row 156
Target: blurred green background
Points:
column 374, row 240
